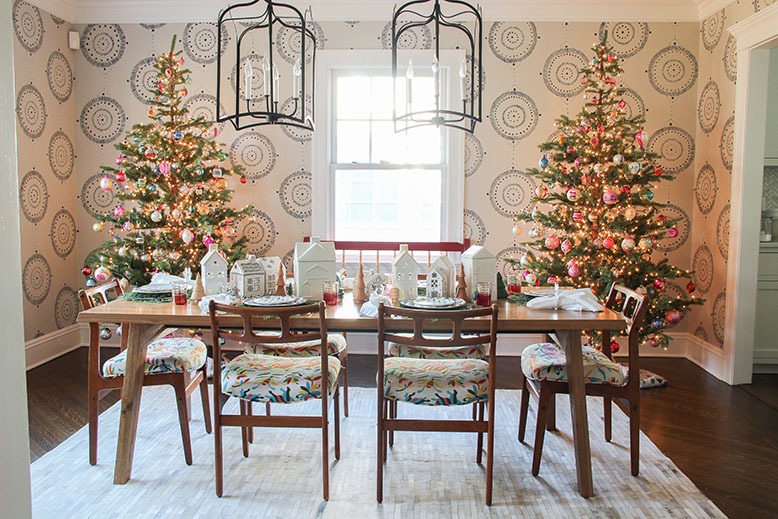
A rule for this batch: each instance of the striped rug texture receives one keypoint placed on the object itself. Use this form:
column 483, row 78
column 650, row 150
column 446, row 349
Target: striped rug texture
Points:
column 427, row 474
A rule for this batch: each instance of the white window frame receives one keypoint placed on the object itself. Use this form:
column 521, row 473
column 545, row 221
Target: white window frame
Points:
column 323, row 181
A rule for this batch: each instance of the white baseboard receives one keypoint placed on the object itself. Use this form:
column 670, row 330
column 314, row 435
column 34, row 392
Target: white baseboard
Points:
column 52, row 345
column 366, row 343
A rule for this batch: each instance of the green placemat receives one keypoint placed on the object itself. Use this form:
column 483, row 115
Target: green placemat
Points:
column 137, row 297
column 520, row 299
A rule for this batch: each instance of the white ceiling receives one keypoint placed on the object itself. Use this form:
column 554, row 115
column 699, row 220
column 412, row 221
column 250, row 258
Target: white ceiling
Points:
column 159, row 11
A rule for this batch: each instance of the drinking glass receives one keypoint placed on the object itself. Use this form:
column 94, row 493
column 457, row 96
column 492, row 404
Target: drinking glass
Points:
column 483, row 295
column 513, row 284
column 330, row 292
column 179, row 293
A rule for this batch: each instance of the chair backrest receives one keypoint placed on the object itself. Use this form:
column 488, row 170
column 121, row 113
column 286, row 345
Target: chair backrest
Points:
column 444, row 328
column 100, row 294
column 633, row 307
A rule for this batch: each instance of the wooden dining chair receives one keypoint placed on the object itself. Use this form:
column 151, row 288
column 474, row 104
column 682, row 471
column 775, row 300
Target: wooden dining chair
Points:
column 545, row 375
column 253, row 377
column 177, row 362
column 435, row 381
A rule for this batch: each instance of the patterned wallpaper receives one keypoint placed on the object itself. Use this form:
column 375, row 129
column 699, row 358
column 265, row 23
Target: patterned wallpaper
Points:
column 45, row 74
column 680, row 76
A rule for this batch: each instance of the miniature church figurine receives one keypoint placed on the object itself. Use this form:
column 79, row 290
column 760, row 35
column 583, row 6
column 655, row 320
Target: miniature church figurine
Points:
column 197, row 291
column 405, row 274
column 359, row 287
column 462, row 285
column 213, row 268
column 280, row 281
column 314, row 263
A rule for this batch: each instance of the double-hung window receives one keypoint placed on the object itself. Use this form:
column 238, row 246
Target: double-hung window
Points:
column 371, row 183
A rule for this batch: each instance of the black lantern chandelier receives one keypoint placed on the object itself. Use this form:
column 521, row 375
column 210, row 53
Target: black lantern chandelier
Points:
column 462, row 23
column 265, row 66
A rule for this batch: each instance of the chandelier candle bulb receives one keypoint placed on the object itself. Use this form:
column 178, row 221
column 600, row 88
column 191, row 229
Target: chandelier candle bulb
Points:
column 296, row 72
column 248, row 73
column 266, row 76
column 409, row 81
column 462, row 76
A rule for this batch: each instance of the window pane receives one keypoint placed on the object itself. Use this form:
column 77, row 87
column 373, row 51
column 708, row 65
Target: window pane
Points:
column 353, row 142
column 382, row 98
column 423, row 145
column 353, row 97
column 387, row 145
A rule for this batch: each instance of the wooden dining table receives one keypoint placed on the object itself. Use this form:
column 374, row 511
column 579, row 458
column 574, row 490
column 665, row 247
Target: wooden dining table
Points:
column 143, row 321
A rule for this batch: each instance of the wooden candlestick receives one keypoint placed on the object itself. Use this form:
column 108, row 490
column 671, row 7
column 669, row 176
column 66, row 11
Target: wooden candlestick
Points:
column 462, row 285
column 359, row 287
column 281, row 281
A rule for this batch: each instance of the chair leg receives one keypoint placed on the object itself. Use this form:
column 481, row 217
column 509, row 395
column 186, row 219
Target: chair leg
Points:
column 634, row 436
column 336, row 412
column 380, row 447
column 606, row 416
column 206, row 402
column 183, row 417
column 93, row 411
column 267, row 408
column 524, row 409
column 540, row 430
column 325, row 450
column 249, row 412
column 387, row 414
column 344, row 370
column 490, row 454
column 217, row 450
column 479, row 452
column 392, row 415
column 244, row 429
column 551, row 418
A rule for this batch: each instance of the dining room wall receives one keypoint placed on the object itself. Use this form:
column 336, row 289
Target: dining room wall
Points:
column 44, row 80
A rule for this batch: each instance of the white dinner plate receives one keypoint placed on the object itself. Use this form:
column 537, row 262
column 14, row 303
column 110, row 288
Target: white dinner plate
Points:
column 267, row 301
column 542, row 291
column 155, row 288
column 434, row 303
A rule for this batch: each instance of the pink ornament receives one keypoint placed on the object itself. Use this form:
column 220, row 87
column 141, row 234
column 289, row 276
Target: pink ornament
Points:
column 659, row 283
column 102, row 274
column 608, row 242
column 553, row 279
column 595, row 141
column 639, row 138
column 552, row 242
column 566, row 246
column 672, row 232
column 610, row 196
column 128, row 226
column 573, row 271
column 572, row 194
column 673, row 316
column 207, row 240
column 578, row 217
column 119, row 211
column 120, row 159
column 164, row 167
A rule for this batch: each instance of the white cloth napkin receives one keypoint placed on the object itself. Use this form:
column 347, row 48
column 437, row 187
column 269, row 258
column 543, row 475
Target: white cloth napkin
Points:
column 225, row 299
column 162, row 278
column 579, row 299
column 370, row 308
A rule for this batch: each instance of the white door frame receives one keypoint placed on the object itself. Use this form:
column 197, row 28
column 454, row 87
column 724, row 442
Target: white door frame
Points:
column 755, row 35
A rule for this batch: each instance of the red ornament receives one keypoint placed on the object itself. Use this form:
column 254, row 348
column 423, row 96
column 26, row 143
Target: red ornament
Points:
column 615, row 346
column 595, row 141
column 622, row 104
column 626, row 190
column 611, row 57
column 659, row 283
column 121, row 176
column 691, row 287
column 673, row 316
column 243, row 179
column 570, row 150
column 87, row 270
column 659, row 171
column 608, row 242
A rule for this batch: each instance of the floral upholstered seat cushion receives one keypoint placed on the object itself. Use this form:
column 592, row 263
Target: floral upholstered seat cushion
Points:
column 546, row 361
column 170, row 355
column 336, row 344
column 436, row 382
column 267, row 378
column 437, row 352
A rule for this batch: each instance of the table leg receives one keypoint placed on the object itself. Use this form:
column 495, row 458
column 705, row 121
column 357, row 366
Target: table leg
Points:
column 138, row 337
column 571, row 342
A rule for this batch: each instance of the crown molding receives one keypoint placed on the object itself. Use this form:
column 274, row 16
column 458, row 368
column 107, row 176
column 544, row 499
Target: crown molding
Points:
column 757, row 30
column 173, row 11
column 709, row 7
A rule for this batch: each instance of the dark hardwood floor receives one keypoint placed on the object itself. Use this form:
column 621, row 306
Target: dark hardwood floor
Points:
column 724, row 438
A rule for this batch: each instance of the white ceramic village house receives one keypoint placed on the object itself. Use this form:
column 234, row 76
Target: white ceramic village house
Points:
column 314, row 263
column 249, row 277
column 271, row 264
column 213, row 270
column 440, row 278
column 480, row 265
column 405, row 274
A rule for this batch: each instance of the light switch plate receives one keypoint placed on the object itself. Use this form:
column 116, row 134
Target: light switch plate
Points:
column 74, row 40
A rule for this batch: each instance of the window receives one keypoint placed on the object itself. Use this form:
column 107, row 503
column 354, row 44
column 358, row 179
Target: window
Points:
column 370, row 183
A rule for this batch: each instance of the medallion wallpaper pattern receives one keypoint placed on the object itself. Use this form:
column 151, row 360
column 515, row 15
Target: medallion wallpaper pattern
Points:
column 72, row 106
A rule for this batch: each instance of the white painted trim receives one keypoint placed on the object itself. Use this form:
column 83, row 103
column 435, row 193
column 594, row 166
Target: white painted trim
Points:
column 754, row 35
column 171, row 11
column 688, row 346
column 706, row 8
column 52, row 345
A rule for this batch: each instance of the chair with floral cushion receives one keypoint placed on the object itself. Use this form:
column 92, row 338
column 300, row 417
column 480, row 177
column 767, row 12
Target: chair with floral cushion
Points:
column 176, row 361
column 436, row 380
column 545, row 375
column 255, row 377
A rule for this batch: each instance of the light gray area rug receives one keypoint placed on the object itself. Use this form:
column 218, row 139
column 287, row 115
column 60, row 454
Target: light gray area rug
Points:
column 427, row 474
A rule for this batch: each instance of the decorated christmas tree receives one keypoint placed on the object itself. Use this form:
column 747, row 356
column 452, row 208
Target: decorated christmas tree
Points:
column 596, row 221
column 172, row 187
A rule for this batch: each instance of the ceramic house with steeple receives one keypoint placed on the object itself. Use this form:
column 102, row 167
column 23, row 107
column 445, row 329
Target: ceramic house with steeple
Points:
column 480, row 265
column 213, row 270
column 405, row 274
column 270, row 265
column 314, row 263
